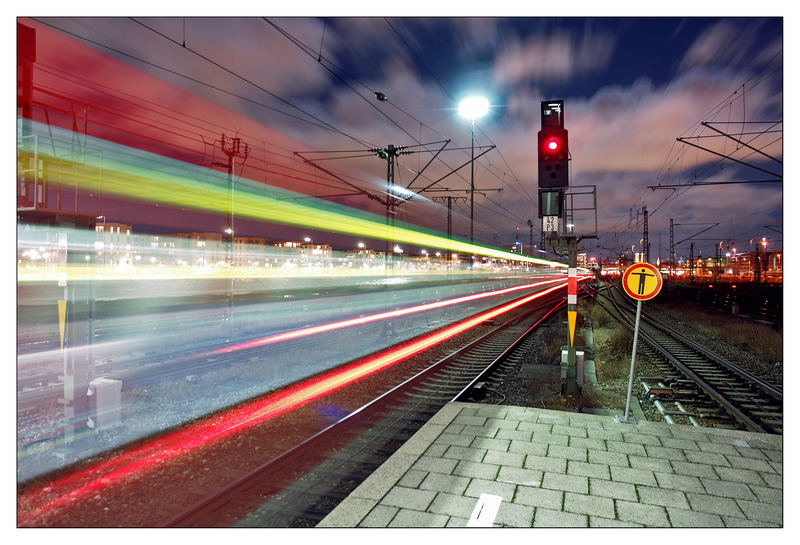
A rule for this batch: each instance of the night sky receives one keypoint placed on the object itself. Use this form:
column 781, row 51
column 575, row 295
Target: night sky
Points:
column 631, row 86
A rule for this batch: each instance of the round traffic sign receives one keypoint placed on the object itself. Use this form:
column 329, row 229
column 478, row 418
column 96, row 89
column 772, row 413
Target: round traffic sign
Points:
column 642, row 281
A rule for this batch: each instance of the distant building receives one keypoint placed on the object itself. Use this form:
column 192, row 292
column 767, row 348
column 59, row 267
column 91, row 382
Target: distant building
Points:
column 113, row 244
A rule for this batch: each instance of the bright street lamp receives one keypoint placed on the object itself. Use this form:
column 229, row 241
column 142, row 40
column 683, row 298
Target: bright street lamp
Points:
column 472, row 108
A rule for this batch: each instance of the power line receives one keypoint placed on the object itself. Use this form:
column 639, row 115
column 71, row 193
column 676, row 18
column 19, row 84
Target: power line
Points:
column 324, row 124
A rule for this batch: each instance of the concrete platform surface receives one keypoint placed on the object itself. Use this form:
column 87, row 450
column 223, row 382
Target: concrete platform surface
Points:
column 485, row 465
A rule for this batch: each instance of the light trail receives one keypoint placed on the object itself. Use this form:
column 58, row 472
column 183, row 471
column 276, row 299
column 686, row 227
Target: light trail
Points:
column 143, row 458
column 333, row 326
column 146, row 177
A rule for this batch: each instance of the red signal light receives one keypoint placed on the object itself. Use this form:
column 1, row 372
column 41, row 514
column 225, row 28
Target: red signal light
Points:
column 552, row 144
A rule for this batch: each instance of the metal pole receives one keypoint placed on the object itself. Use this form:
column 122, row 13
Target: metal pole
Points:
column 633, row 359
column 472, row 187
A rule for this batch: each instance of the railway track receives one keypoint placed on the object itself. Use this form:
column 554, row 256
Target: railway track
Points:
column 301, row 486
column 695, row 385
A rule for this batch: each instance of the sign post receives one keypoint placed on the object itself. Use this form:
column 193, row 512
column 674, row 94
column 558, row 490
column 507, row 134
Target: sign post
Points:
column 641, row 281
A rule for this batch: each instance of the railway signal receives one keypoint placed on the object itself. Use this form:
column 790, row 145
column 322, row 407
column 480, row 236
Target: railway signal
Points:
column 553, row 146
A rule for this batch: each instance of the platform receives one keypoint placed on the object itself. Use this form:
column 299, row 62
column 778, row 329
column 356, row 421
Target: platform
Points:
column 485, row 465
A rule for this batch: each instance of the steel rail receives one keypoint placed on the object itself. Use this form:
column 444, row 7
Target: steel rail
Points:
column 338, row 434
column 708, row 389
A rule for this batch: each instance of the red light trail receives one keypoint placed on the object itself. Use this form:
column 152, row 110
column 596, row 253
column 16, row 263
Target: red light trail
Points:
column 324, row 328
column 142, row 458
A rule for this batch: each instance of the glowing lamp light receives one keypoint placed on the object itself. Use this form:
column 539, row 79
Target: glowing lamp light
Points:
column 473, row 107
column 552, row 144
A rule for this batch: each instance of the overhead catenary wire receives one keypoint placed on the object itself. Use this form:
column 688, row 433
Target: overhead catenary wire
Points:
column 320, row 123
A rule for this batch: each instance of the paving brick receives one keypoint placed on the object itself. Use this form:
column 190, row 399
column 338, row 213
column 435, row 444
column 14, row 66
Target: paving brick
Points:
column 613, row 489
column 453, row 428
column 626, row 448
column 719, row 448
column 589, row 505
column 411, row 498
column 515, row 475
column 661, row 430
column 547, row 518
column 608, row 458
column 476, row 470
column 600, row 522
column 491, row 444
column 514, row 516
column 568, row 483
column 695, row 470
column 773, row 480
column 553, row 417
column 675, row 442
column 749, row 452
column 549, row 438
column 535, row 427
column 641, row 438
column 708, row 458
column 453, row 439
column 667, row 453
column 713, row 504
column 740, row 462
column 439, row 482
column 504, row 458
column 611, row 435
column 520, row 414
column 587, row 443
column 727, row 489
column 502, row 423
column 662, row 496
column 739, row 522
column 777, row 467
column 480, row 486
column 559, row 429
column 553, row 465
column 774, row 455
column 570, row 453
column 457, row 522
column 469, row 420
column 766, row 494
column 686, row 483
column 539, row 497
column 514, row 435
column 412, row 478
column 435, row 451
column 684, row 518
column 631, row 475
column 379, row 517
column 491, row 412
column 408, row 518
column 479, row 431
column 526, row 447
column 653, row 464
column 348, row 513
column 585, row 421
column 439, row 465
column 692, row 434
column 739, row 475
column 617, row 426
column 647, row 515
column 465, row 453
column 598, row 471
column 452, row 504
column 765, row 512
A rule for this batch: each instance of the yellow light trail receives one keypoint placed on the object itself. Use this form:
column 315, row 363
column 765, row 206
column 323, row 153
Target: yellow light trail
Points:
column 169, row 186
